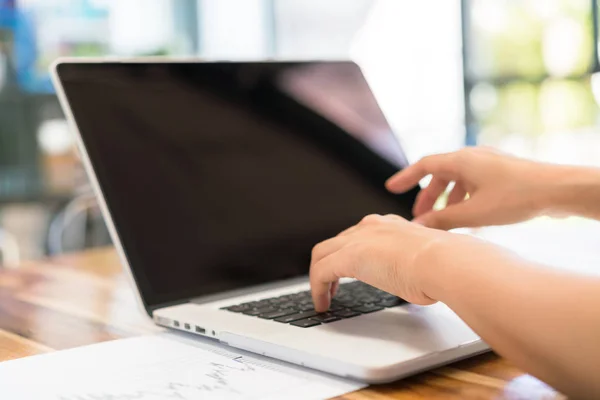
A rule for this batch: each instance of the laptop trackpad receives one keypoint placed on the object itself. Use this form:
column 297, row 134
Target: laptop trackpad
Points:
column 393, row 335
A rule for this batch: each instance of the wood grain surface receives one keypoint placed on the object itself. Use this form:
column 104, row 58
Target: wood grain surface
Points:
column 85, row 298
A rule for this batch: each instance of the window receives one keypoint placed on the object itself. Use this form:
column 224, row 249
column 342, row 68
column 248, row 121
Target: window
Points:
column 528, row 75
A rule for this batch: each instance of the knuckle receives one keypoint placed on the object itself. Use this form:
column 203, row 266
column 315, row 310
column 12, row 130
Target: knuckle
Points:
column 315, row 271
column 486, row 150
column 316, row 251
column 452, row 163
column 318, row 272
column 371, row 219
column 462, row 154
column 467, row 154
column 427, row 159
column 393, row 220
column 425, row 163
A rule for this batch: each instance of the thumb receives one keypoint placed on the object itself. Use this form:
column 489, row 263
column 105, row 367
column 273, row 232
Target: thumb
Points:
column 462, row 215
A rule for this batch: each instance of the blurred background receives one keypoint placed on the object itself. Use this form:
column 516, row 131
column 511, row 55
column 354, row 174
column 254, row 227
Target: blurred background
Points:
column 520, row 75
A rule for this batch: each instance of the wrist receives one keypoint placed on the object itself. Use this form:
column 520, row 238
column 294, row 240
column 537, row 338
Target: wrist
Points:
column 572, row 191
column 446, row 265
column 434, row 263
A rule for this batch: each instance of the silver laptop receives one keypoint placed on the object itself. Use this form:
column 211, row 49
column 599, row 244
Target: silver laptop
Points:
column 216, row 179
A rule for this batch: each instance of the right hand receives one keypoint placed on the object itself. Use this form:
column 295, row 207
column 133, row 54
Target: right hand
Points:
column 501, row 189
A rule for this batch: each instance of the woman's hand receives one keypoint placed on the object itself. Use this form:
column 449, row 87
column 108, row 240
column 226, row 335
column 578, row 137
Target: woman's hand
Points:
column 387, row 252
column 544, row 320
column 501, row 189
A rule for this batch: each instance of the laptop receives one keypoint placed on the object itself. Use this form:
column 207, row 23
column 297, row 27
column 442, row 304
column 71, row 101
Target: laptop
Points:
column 216, row 179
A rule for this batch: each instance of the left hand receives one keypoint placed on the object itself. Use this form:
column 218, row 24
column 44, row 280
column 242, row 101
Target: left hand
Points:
column 382, row 251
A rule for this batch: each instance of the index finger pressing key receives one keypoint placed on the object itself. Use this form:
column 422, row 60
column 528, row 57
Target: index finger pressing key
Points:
column 326, row 272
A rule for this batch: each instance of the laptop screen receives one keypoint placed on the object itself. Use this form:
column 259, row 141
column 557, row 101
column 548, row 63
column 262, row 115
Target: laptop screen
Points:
column 220, row 176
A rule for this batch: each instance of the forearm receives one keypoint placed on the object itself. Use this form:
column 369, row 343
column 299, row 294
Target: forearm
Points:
column 573, row 191
column 545, row 321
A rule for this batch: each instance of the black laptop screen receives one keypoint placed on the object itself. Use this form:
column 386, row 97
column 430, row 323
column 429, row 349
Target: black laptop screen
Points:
column 220, row 176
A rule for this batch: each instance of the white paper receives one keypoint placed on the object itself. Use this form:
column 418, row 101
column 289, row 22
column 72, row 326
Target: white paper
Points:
column 165, row 366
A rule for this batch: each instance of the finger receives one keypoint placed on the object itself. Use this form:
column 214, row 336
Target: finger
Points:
column 326, row 272
column 327, row 247
column 427, row 197
column 334, row 287
column 466, row 214
column 457, row 194
column 444, row 165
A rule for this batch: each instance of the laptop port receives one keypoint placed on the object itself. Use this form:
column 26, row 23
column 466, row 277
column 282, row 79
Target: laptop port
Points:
column 200, row 330
column 187, row 326
column 176, row 324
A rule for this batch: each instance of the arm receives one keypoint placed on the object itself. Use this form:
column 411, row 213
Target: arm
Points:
column 545, row 321
column 576, row 192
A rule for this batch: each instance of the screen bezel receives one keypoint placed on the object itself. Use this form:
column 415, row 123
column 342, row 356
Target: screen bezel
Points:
column 135, row 273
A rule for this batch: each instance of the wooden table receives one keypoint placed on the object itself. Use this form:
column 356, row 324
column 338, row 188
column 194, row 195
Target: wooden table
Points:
column 84, row 298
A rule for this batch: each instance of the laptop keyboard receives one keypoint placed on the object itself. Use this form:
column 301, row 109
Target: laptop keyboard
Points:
column 351, row 300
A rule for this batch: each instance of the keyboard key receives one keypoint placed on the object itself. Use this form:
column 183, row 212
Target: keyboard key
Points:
column 351, row 300
column 326, row 318
column 252, row 312
column 348, row 304
column 295, row 317
column 346, row 314
column 305, row 323
column 250, row 304
column 392, row 302
column 277, row 300
column 291, row 310
column 367, row 299
column 367, row 308
column 236, row 309
column 266, row 309
column 275, row 314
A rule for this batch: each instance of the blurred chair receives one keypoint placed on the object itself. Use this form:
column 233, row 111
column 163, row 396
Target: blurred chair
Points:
column 78, row 225
column 9, row 250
